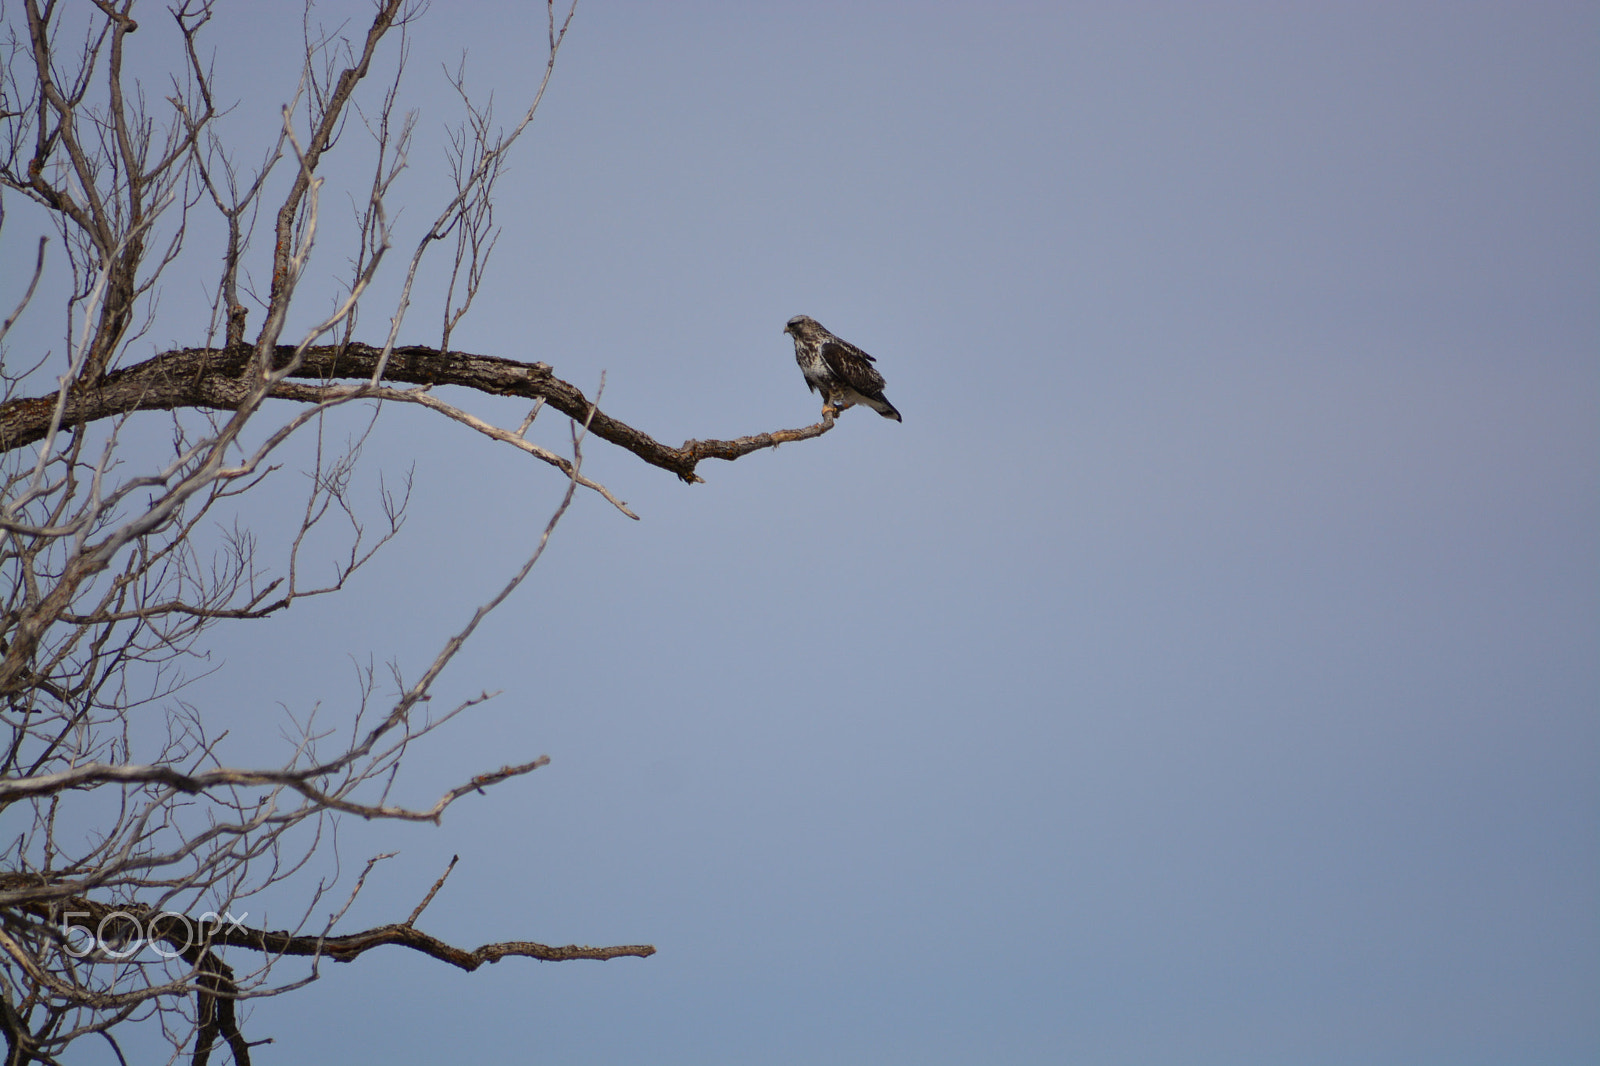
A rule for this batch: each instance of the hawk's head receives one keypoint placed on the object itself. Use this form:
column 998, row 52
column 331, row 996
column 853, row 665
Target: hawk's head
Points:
column 803, row 327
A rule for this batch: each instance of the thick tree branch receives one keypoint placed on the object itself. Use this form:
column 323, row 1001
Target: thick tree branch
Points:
column 93, row 915
column 218, row 379
column 212, row 979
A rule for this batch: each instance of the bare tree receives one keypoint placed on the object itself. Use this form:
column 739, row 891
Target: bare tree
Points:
column 129, row 842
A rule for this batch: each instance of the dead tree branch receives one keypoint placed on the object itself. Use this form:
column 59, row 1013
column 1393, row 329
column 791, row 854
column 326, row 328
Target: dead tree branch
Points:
column 217, row 379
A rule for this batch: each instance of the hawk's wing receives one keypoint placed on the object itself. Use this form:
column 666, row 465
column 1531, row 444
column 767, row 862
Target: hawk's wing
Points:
column 852, row 366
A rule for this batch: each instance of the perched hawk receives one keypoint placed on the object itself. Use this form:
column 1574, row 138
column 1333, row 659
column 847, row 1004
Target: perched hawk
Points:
column 843, row 373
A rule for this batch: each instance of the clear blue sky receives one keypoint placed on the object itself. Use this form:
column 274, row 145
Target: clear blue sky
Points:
column 1205, row 672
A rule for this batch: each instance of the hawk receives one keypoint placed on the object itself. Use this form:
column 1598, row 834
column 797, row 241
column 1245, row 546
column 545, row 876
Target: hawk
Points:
column 843, row 373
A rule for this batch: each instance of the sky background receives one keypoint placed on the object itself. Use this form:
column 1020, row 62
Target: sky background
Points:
column 1206, row 671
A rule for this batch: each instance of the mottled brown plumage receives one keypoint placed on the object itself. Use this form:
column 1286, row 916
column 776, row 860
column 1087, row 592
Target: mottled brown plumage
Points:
column 843, row 373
